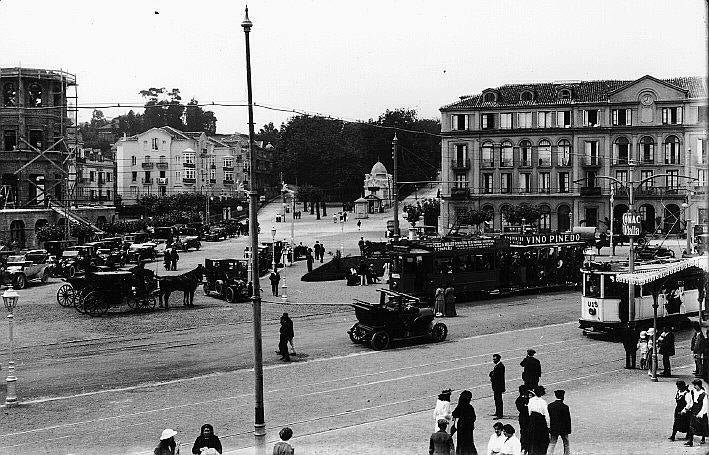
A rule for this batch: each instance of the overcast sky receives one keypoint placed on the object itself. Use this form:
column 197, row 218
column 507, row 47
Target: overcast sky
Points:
column 349, row 59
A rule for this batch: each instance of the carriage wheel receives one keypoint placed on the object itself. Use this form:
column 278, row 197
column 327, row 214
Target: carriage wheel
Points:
column 356, row 334
column 146, row 303
column 66, row 295
column 79, row 299
column 230, row 295
column 439, row 332
column 20, row 281
column 132, row 302
column 380, row 340
column 91, row 303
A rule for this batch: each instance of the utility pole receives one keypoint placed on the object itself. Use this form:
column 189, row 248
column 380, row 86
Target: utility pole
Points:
column 259, row 419
column 395, row 192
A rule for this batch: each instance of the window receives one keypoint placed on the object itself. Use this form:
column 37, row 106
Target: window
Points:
column 189, row 158
column 590, row 117
column 621, row 151
column 563, row 218
column 622, row 117
column 646, row 175
column 108, row 195
column 461, row 155
column 563, row 182
column 189, row 173
column 92, row 176
column 703, row 216
column 459, row 122
column 133, row 160
column 487, row 158
column 506, row 182
column 34, row 95
column 701, row 177
column 133, row 191
column 672, row 115
column 544, row 119
column 525, row 183
column 701, row 114
column 154, row 144
column 527, row 96
column 591, row 216
column 563, row 119
column 622, row 176
column 145, row 146
column 229, row 176
column 228, row 162
column 108, row 176
column 134, row 176
column 564, row 153
column 701, row 151
column 36, row 138
column 544, row 152
column 489, row 97
column 487, row 183
column 506, row 121
column 147, row 177
column 164, row 145
column 487, row 121
column 591, row 179
column 461, row 181
column 525, row 153
column 591, row 153
column 544, row 182
column 146, row 159
column 212, row 174
column 162, row 174
column 647, row 150
column 672, row 179
column 506, row 155
column 565, row 94
column 162, row 159
column 524, row 120
column 9, row 94
column 672, row 150
column 178, row 175
column 545, row 218
column 10, row 140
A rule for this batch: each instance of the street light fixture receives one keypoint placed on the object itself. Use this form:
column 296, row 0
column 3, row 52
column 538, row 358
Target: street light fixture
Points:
column 10, row 298
column 273, row 246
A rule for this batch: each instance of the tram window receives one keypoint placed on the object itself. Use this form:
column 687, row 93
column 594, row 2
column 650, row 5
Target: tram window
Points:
column 396, row 264
column 410, row 265
column 613, row 289
column 593, row 285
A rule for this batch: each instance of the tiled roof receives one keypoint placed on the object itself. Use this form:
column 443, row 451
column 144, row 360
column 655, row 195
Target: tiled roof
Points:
column 546, row 93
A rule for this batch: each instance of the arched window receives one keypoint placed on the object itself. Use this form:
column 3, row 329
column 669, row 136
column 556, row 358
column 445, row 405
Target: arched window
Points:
column 544, row 153
column 544, row 218
column 34, row 95
column 40, row 224
column 672, row 150
column 621, row 151
column 489, row 97
column 487, row 155
column 564, row 153
column 490, row 210
column 565, row 94
column 9, row 94
column 527, row 96
column 506, row 155
column 563, row 221
column 647, row 150
column 525, row 153
column 17, row 233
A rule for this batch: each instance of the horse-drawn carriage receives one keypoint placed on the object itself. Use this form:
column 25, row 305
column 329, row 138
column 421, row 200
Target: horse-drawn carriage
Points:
column 397, row 316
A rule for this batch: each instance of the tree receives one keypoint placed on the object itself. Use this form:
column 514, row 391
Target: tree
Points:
column 518, row 214
column 197, row 119
column 414, row 212
column 50, row 232
column 81, row 232
column 474, row 217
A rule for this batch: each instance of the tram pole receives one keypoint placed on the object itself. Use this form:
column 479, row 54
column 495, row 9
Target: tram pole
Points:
column 395, row 192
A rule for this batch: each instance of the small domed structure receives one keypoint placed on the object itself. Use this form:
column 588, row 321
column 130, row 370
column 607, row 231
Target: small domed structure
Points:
column 379, row 183
column 378, row 169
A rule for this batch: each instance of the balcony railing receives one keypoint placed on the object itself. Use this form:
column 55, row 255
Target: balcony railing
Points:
column 591, row 161
column 147, row 165
column 162, row 164
column 460, row 164
column 188, row 180
column 228, row 168
column 460, row 192
column 525, row 163
column 162, row 180
column 589, row 191
column 147, row 181
column 622, row 161
column 228, row 182
column 189, row 165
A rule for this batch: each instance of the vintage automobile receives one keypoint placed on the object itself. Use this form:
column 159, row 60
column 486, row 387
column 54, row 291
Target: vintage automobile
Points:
column 141, row 252
column 226, row 279
column 76, row 259
column 25, row 267
column 215, row 234
column 649, row 252
column 185, row 242
column 4, row 254
column 136, row 237
column 264, row 258
column 111, row 258
column 397, row 316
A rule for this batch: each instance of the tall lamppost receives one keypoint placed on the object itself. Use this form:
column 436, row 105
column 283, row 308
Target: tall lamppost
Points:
column 394, row 145
column 273, row 246
column 259, row 419
column 611, row 221
column 10, row 298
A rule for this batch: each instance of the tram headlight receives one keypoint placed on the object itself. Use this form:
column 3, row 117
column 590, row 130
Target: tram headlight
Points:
column 592, row 311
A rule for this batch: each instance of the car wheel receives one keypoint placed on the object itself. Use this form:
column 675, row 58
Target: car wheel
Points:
column 439, row 332
column 356, row 334
column 20, row 281
column 380, row 340
column 230, row 295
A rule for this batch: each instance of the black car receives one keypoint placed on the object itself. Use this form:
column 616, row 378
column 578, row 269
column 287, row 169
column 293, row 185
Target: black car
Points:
column 226, row 279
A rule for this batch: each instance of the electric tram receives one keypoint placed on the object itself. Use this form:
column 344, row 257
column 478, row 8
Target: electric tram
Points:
column 677, row 285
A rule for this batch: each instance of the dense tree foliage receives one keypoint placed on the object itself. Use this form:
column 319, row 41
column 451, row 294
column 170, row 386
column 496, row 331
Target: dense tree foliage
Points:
column 50, row 232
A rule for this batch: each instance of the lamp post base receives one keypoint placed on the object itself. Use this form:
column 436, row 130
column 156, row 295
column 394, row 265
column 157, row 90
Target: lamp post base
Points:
column 260, row 439
column 11, row 380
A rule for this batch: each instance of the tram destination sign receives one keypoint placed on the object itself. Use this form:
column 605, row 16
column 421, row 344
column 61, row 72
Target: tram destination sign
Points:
column 631, row 224
column 543, row 239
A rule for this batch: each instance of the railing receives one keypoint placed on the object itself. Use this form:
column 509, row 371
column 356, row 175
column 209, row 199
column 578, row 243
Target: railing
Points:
column 189, row 165
column 460, row 164
column 228, row 168
column 621, row 161
column 525, row 163
column 188, row 180
column 147, row 181
column 101, row 182
column 162, row 180
column 212, row 180
column 147, row 165
column 162, row 164
column 592, row 161
column 507, row 163
column 228, row 182
column 590, row 191
column 544, row 163
column 487, row 164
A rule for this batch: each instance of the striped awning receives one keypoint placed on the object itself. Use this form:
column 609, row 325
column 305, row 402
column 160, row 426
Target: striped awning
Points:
column 663, row 270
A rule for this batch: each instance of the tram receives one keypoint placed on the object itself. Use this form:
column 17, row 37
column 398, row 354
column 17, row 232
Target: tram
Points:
column 679, row 285
column 486, row 265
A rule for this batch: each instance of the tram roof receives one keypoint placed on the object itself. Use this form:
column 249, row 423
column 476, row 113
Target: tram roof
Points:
column 651, row 273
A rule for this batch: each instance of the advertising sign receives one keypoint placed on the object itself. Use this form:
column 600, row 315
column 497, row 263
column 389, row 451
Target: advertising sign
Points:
column 631, row 224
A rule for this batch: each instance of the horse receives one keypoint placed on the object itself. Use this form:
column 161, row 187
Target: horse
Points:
column 186, row 282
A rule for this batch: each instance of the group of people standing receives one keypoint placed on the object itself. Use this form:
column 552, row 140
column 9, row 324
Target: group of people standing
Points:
column 170, row 258
column 444, row 302
column 208, row 443
column 643, row 347
column 691, row 407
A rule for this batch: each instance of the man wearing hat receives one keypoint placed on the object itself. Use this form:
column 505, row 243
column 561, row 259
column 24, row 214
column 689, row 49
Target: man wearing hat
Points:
column 532, row 369
column 559, row 423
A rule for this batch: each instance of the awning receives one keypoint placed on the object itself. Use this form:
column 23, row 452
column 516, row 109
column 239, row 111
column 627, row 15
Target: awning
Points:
column 663, row 270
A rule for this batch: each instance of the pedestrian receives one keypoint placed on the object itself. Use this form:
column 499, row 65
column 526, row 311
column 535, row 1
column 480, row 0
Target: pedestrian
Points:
column 167, row 258
column 207, row 443
column 449, row 297
column 316, row 250
column 344, row 215
column 167, row 445
column 494, row 445
column 705, row 358
column 666, row 347
column 361, row 246
column 274, row 278
column 538, row 422
column 521, row 403
column 334, row 218
column 291, row 332
column 510, row 445
column 650, row 351
column 497, row 379
column 440, row 303
column 464, row 424
column 630, row 346
column 443, row 408
column 284, row 334
column 532, row 369
column 681, row 420
column 359, row 225
column 642, row 347
column 696, row 409
column 282, row 447
column 362, row 272
column 309, row 260
column 559, row 422
column 697, row 347
column 174, row 257
column 441, row 443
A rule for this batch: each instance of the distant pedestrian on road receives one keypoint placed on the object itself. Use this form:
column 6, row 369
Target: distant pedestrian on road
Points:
column 521, row 403
column 681, row 421
column 697, row 347
column 650, row 350
column 167, row 445
column 697, row 411
column 464, row 424
column 494, row 445
column 443, row 408
column 207, row 443
column 666, row 348
column 449, row 297
column 642, row 348
column 439, row 307
column 275, row 278
column 441, row 442
column 532, row 369
column 334, row 218
column 362, row 272
column 309, row 260
column 705, row 358
column 174, row 256
column 291, row 331
column 282, row 447
column 361, row 246
column 559, row 423
column 359, row 225
column 285, row 333
column 511, row 445
column 630, row 346
column 167, row 259
column 538, row 423
column 497, row 380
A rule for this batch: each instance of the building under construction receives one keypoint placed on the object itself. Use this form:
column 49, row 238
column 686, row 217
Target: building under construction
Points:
column 38, row 145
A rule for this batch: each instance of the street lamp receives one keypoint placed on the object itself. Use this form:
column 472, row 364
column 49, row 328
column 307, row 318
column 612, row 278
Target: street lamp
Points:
column 273, row 245
column 10, row 298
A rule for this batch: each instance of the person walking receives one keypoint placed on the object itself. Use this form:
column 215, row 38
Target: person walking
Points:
column 316, row 250
column 174, row 257
column 274, row 278
column 439, row 308
column 282, row 447
column 494, row 445
column 449, row 297
column 464, row 424
column 696, row 409
column 510, row 445
column 538, row 422
column 362, row 272
column 697, row 347
column 441, row 443
column 284, row 334
column 497, row 380
column 361, row 246
column 521, row 403
column 705, row 358
column 630, row 346
column 642, row 347
column 291, row 332
column 532, row 369
column 167, row 444
column 359, row 225
column 309, row 260
column 443, row 408
column 167, row 258
column 207, row 442
column 666, row 348
column 681, row 419
column 559, row 423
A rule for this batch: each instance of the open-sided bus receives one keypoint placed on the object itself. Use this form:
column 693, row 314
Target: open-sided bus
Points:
column 679, row 284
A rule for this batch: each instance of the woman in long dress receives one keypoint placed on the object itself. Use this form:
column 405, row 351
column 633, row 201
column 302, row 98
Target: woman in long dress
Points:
column 697, row 412
column 522, row 403
column 681, row 422
column 440, row 303
column 443, row 408
column 464, row 421
column 538, row 423
column 449, row 299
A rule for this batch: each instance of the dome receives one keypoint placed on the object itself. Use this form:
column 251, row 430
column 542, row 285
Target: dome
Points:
column 378, row 168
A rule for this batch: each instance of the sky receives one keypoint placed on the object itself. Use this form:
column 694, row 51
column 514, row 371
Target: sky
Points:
column 347, row 59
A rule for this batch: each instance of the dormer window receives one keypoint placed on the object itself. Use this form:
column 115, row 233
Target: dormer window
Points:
column 490, row 97
column 527, row 96
column 565, row 94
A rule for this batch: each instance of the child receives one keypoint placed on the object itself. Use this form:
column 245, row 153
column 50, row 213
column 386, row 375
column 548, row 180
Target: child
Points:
column 642, row 346
column 282, row 447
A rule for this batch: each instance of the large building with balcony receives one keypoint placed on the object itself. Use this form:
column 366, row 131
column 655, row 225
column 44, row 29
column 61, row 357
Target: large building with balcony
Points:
column 553, row 144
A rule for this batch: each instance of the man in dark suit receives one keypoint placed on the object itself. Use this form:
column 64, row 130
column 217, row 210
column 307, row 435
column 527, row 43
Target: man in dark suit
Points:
column 497, row 379
column 559, row 423
column 532, row 369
